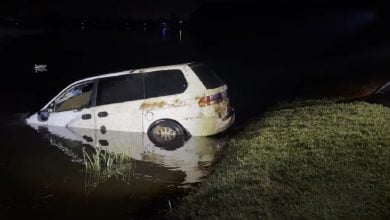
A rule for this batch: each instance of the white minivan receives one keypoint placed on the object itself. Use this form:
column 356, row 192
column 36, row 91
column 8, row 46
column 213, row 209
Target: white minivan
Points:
column 165, row 101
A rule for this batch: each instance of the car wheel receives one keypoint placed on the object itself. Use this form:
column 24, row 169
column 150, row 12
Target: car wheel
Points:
column 167, row 134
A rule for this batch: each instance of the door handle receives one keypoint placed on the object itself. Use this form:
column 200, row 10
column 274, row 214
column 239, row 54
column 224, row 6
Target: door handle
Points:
column 86, row 116
column 104, row 143
column 87, row 138
column 103, row 114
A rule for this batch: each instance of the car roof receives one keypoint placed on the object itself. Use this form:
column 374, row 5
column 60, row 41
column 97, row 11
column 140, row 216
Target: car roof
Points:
column 140, row 70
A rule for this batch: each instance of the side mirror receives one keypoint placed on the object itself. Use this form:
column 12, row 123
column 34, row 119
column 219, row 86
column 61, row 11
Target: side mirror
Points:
column 43, row 115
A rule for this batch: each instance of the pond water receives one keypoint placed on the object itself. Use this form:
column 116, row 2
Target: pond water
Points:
column 58, row 172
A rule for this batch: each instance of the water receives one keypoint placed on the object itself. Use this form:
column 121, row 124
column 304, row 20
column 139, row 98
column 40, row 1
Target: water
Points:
column 52, row 172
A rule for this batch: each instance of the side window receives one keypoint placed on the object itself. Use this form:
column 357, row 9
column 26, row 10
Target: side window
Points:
column 163, row 83
column 120, row 89
column 76, row 97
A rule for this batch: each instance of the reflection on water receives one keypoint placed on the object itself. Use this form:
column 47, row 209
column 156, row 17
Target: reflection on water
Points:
column 114, row 150
column 123, row 172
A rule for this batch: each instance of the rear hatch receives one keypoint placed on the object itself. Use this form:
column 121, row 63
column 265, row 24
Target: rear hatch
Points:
column 216, row 100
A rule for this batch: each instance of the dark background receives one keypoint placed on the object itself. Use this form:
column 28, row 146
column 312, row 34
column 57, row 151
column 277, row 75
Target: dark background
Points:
column 266, row 51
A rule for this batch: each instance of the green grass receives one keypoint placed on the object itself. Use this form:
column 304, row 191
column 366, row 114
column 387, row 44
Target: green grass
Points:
column 100, row 166
column 313, row 160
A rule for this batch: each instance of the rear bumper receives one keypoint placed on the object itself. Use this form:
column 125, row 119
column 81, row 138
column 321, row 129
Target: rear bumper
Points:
column 207, row 126
column 226, row 122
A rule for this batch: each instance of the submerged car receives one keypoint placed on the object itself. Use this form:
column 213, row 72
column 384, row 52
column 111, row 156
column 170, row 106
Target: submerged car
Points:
column 166, row 102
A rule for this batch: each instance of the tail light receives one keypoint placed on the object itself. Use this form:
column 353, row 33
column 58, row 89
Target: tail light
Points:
column 211, row 99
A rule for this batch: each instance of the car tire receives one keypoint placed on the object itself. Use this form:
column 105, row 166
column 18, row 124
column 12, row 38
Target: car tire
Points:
column 167, row 134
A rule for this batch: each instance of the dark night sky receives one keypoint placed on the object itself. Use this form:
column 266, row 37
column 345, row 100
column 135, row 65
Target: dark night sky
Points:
column 138, row 9
column 126, row 9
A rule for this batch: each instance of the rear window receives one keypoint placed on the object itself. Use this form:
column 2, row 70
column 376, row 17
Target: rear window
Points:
column 207, row 76
column 163, row 83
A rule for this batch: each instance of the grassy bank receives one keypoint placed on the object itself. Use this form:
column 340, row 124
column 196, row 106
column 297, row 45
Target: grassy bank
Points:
column 302, row 160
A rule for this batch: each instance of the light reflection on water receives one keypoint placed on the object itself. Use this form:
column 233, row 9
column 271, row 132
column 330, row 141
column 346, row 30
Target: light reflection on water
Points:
column 84, row 173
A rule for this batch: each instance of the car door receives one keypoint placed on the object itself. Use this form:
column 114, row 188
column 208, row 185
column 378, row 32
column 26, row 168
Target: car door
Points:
column 162, row 99
column 118, row 103
column 74, row 107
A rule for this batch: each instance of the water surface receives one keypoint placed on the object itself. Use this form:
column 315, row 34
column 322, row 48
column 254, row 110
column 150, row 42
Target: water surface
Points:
column 56, row 172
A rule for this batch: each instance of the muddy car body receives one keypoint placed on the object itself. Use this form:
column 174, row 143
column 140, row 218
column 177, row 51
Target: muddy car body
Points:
column 166, row 101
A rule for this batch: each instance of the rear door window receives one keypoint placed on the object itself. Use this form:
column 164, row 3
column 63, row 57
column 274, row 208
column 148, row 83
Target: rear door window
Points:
column 120, row 89
column 164, row 83
column 207, row 76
